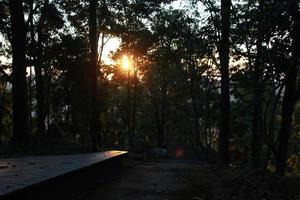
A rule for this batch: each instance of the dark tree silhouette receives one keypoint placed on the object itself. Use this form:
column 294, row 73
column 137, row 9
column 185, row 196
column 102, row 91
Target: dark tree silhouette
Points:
column 257, row 92
column 289, row 98
column 224, row 68
column 39, row 78
column 93, row 39
column 19, row 95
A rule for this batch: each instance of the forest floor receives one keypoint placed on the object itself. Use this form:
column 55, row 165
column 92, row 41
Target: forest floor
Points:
column 184, row 180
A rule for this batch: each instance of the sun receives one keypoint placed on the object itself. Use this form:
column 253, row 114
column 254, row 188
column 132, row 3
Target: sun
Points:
column 126, row 63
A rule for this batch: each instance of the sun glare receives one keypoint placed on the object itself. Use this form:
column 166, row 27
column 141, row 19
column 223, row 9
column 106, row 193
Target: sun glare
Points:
column 126, row 63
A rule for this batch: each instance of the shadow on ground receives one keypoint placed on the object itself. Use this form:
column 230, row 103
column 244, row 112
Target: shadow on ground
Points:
column 151, row 180
column 187, row 180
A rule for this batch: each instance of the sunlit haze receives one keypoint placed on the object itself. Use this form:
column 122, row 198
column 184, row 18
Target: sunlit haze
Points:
column 126, row 63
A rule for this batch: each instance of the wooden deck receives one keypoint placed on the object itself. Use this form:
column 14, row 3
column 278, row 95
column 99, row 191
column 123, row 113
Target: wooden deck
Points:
column 21, row 173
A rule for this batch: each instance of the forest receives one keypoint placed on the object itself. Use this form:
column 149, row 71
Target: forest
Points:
column 209, row 80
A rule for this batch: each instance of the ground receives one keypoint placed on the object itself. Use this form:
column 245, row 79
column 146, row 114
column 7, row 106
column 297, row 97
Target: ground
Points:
column 154, row 180
column 188, row 180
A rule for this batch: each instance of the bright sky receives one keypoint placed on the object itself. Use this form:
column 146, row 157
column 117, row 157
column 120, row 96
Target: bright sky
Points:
column 3, row 59
column 111, row 46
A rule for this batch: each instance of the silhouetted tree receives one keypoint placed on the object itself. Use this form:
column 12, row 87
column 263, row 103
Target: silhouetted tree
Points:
column 289, row 98
column 224, row 69
column 19, row 95
column 93, row 39
column 256, row 142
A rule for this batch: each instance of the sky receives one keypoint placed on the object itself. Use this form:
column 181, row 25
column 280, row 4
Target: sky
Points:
column 111, row 46
column 3, row 59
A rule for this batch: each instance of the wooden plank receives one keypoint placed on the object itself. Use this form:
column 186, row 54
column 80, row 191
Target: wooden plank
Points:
column 19, row 173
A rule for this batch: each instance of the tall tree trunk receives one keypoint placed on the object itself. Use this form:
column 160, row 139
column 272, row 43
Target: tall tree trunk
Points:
column 2, row 102
column 32, row 44
column 39, row 79
column 30, row 100
column 289, row 97
column 19, row 94
column 129, row 131
column 191, row 86
column 163, row 108
column 256, row 142
column 40, row 97
column 134, row 98
column 93, row 39
column 224, row 65
column 157, row 115
column 160, row 107
column 161, row 138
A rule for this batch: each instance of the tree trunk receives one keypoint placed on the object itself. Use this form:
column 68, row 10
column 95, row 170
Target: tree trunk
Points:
column 256, row 142
column 32, row 44
column 129, row 131
column 93, row 39
column 289, row 97
column 161, row 139
column 134, row 98
column 2, row 102
column 160, row 116
column 19, row 94
column 194, row 103
column 163, row 108
column 40, row 87
column 40, row 98
column 157, row 115
column 224, row 65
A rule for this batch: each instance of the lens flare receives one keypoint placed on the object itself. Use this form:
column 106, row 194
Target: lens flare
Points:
column 179, row 152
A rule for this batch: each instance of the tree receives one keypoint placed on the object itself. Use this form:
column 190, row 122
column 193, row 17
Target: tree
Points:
column 39, row 78
column 93, row 39
column 2, row 102
column 19, row 94
column 49, row 21
column 224, row 69
column 289, row 98
column 256, row 143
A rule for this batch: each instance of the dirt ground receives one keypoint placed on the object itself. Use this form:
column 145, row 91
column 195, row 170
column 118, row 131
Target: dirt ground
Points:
column 184, row 180
column 150, row 180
